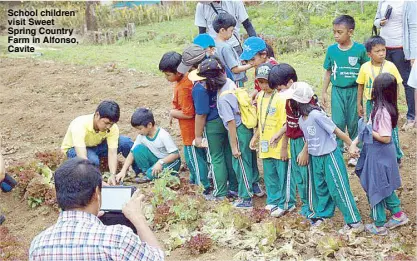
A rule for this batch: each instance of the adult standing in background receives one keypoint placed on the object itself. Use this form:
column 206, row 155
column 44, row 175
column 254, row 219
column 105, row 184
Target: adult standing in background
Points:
column 400, row 34
column 206, row 11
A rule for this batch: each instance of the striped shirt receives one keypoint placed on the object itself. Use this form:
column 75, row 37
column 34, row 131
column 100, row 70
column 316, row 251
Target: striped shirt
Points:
column 78, row 235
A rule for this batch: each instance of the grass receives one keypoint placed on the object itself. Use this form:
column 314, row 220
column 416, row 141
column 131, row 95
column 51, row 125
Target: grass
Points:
column 150, row 42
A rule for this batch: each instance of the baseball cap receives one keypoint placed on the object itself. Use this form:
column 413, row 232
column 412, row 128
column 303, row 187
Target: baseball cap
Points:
column 251, row 47
column 263, row 70
column 210, row 67
column 301, row 92
column 191, row 55
column 204, row 40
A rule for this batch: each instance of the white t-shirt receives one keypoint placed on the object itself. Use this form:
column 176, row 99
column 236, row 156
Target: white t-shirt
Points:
column 161, row 145
column 412, row 79
column 204, row 16
column 392, row 31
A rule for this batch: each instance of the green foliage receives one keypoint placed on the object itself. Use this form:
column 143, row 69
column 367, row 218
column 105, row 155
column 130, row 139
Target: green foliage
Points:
column 34, row 202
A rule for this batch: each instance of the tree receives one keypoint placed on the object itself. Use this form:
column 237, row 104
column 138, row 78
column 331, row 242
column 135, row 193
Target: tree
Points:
column 90, row 16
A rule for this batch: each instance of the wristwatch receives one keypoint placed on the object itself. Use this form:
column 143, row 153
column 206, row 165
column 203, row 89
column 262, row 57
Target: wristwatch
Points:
column 161, row 162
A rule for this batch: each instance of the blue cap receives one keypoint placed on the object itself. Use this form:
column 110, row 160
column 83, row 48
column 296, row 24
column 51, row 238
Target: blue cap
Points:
column 204, row 40
column 251, row 47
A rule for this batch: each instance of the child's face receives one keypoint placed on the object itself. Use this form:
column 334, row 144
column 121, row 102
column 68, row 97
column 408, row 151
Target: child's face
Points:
column 102, row 124
column 263, row 84
column 285, row 87
column 258, row 59
column 172, row 77
column 144, row 130
column 342, row 33
column 227, row 33
column 210, row 51
column 377, row 53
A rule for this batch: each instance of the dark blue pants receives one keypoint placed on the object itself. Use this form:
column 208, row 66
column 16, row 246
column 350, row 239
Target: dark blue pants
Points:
column 396, row 56
column 95, row 153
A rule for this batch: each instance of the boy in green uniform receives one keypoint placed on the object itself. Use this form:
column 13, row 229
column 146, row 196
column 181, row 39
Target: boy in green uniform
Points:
column 342, row 63
column 375, row 47
column 153, row 151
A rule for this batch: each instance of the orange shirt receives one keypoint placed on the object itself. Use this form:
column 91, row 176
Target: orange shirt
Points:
column 183, row 101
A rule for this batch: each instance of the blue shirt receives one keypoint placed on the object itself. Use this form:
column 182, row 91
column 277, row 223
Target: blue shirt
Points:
column 318, row 131
column 205, row 101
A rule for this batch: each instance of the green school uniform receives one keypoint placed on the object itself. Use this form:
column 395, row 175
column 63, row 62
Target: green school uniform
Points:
column 196, row 162
column 394, row 135
column 220, row 156
column 145, row 159
column 345, row 66
column 246, row 165
column 392, row 203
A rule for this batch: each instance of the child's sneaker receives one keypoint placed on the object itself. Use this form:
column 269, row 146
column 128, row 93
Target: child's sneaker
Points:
column 316, row 222
column 257, row 190
column 243, row 204
column 397, row 221
column 269, row 207
column 353, row 228
column 232, row 194
column 278, row 212
column 371, row 228
column 352, row 162
column 211, row 197
column 143, row 179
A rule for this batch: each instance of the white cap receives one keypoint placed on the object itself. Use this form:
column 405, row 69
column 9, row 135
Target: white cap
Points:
column 301, row 92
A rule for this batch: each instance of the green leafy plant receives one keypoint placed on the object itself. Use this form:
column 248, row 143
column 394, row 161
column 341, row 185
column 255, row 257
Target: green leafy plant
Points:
column 34, row 202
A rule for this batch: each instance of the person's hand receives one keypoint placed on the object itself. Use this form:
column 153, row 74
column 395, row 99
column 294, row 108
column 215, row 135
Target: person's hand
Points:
column 274, row 140
column 284, row 153
column 360, row 110
column 156, row 169
column 120, row 176
column 354, row 150
column 303, row 158
column 235, row 152
column 197, row 141
column 112, row 180
column 2, row 176
column 412, row 62
column 133, row 209
column 252, row 143
column 325, row 99
column 383, row 22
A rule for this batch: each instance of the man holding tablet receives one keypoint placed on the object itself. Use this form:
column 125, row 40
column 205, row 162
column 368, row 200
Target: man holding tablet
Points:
column 79, row 234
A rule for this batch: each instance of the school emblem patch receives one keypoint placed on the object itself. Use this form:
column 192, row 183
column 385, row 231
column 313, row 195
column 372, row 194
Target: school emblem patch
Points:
column 311, row 130
column 353, row 60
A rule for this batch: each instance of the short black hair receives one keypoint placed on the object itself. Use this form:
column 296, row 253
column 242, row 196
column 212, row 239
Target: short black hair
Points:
column 109, row 110
column 223, row 20
column 142, row 117
column 281, row 74
column 169, row 62
column 346, row 20
column 75, row 183
column 373, row 41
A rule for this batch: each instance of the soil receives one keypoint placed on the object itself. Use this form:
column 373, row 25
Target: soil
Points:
column 40, row 98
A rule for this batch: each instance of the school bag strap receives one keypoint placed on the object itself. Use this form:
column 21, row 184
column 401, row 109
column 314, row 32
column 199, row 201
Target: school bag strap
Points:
column 247, row 110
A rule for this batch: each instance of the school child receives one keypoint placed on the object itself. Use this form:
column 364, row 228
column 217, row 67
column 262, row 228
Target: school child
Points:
column 224, row 24
column 342, row 63
column 206, row 42
column 330, row 178
column 375, row 48
column 244, row 160
column 283, row 76
column 183, row 110
column 208, row 126
column 257, row 52
column 153, row 150
column 280, row 190
column 377, row 167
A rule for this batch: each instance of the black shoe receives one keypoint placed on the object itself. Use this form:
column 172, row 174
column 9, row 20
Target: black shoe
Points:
column 2, row 219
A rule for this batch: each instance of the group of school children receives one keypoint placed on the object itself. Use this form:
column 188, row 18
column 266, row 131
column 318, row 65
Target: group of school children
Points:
column 300, row 146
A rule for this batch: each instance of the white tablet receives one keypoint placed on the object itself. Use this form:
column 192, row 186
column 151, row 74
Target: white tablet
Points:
column 114, row 197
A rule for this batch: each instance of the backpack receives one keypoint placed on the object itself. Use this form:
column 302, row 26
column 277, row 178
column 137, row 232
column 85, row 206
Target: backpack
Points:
column 247, row 110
